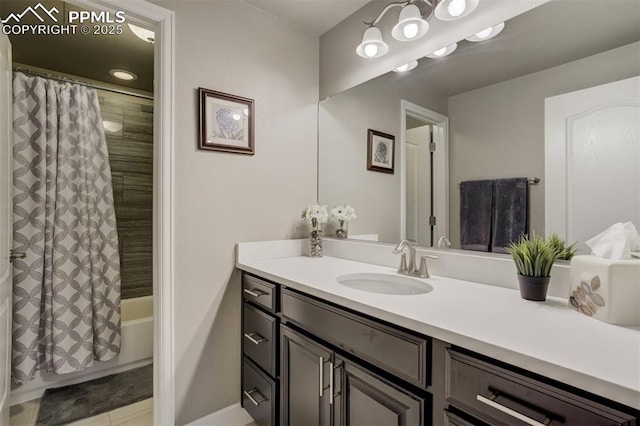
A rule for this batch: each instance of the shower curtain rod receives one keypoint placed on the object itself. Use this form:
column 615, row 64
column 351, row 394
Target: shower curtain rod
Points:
column 531, row 181
column 82, row 83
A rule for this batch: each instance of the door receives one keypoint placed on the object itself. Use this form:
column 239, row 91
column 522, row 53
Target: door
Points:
column 305, row 380
column 365, row 399
column 592, row 160
column 5, row 225
column 419, row 185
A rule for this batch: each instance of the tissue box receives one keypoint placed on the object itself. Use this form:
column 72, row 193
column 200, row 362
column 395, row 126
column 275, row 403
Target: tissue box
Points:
column 606, row 289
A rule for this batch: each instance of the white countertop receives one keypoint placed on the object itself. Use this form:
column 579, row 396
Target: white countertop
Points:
column 547, row 338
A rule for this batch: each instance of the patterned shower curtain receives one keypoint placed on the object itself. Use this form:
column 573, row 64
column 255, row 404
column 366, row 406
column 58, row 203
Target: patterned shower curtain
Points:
column 66, row 292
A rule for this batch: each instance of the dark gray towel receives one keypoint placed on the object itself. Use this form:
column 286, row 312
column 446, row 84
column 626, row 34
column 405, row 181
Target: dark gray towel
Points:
column 476, row 198
column 510, row 212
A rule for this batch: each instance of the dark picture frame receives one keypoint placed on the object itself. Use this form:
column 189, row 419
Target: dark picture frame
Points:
column 381, row 151
column 226, row 122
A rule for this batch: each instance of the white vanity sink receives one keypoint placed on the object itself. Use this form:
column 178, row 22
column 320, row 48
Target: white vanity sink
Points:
column 384, row 284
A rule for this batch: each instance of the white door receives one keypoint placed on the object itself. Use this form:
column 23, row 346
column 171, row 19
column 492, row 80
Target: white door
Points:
column 418, row 174
column 5, row 225
column 592, row 160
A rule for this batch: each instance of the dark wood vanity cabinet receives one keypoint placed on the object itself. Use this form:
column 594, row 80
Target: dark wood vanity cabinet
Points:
column 499, row 396
column 307, row 362
column 260, row 350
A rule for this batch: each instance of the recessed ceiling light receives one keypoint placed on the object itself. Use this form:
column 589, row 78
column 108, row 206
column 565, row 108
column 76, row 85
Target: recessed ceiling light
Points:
column 123, row 74
column 143, row 33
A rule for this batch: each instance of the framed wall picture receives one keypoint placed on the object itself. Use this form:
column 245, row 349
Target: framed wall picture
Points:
column 380, row 151
column 226, row 122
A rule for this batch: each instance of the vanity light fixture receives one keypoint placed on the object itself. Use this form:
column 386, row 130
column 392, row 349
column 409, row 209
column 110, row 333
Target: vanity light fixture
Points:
column 123, row 74
column 441, row 53
column 487, row 34
column 406, row 67
column 411, row 24
column 143, row 33
column 449, row 10
column 372, row 45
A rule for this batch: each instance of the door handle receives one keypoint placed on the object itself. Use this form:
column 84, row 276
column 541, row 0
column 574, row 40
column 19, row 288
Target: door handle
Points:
column 490, row 401
column 249, row 394
column 331, row 383
column 255, row 340
column 13, row 256
column 320, row 369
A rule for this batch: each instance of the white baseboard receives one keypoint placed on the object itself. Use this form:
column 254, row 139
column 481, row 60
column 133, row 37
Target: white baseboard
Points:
column 233, row 415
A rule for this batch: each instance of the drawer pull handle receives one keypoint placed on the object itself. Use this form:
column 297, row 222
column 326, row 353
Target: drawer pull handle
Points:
column 255, row 292
column 255, row 338
column 513, row 413
column 256, row 402
column 320, row 369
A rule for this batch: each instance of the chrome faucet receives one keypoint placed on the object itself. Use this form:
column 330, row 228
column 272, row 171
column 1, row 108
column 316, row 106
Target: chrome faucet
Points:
column 411, row 268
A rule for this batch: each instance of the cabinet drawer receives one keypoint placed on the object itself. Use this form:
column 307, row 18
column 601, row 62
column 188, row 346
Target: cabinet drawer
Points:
column 258, row 395
column 259, row 291
column 502, row 397
column 259, row 333
column 401, row 354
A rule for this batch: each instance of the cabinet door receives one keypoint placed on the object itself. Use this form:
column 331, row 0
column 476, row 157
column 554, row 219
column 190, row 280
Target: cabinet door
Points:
column 305, row 383
column 363, row 398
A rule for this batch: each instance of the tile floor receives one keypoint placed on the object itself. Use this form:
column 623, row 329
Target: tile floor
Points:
column 138, row 414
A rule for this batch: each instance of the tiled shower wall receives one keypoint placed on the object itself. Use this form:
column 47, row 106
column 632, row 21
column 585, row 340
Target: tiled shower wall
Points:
column 129, row 131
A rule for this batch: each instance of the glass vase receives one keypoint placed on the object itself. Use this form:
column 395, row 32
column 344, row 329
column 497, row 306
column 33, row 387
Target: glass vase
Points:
column 343, row 230
column 315, row 241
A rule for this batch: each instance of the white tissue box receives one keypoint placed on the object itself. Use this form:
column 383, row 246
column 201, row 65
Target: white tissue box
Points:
column 606, row 289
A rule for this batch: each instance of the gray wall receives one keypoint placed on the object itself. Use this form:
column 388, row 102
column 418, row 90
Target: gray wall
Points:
column 343, row 173
column 498, row 131
column 223, row 198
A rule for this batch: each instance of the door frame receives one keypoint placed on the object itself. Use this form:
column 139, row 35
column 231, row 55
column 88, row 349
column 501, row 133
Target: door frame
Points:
column 163, row 20
column 440, row 124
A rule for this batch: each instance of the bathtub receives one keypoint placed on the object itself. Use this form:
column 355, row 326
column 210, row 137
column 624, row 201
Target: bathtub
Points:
column 136, row 351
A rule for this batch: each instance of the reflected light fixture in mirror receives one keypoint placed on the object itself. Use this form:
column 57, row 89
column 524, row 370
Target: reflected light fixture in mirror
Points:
column 143, row 33
column 406, row 67
column 449, row 10
column 487, row 34
column 441, row 53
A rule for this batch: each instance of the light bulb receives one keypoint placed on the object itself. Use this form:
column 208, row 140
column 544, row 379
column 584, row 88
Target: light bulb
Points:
column 236, row 116
column 370, row 50
column 440, row 52
column 484, row 33
column 457, row 7
column 402, row 68
column 410, row 30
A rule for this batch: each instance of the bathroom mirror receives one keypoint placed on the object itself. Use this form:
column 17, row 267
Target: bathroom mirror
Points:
column 484, row 108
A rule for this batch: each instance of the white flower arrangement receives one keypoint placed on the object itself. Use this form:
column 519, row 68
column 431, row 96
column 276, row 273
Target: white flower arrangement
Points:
column 315, row 214
column 343, row 213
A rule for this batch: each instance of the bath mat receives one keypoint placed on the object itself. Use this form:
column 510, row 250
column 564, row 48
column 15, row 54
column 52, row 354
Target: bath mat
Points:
column 63, row 405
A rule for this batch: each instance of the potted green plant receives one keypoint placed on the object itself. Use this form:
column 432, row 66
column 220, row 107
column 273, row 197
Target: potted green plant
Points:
column 534, row 257
column 564, row 251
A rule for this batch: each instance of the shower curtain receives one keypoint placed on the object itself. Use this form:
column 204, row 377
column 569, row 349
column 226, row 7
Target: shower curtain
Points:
column 66, row 292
